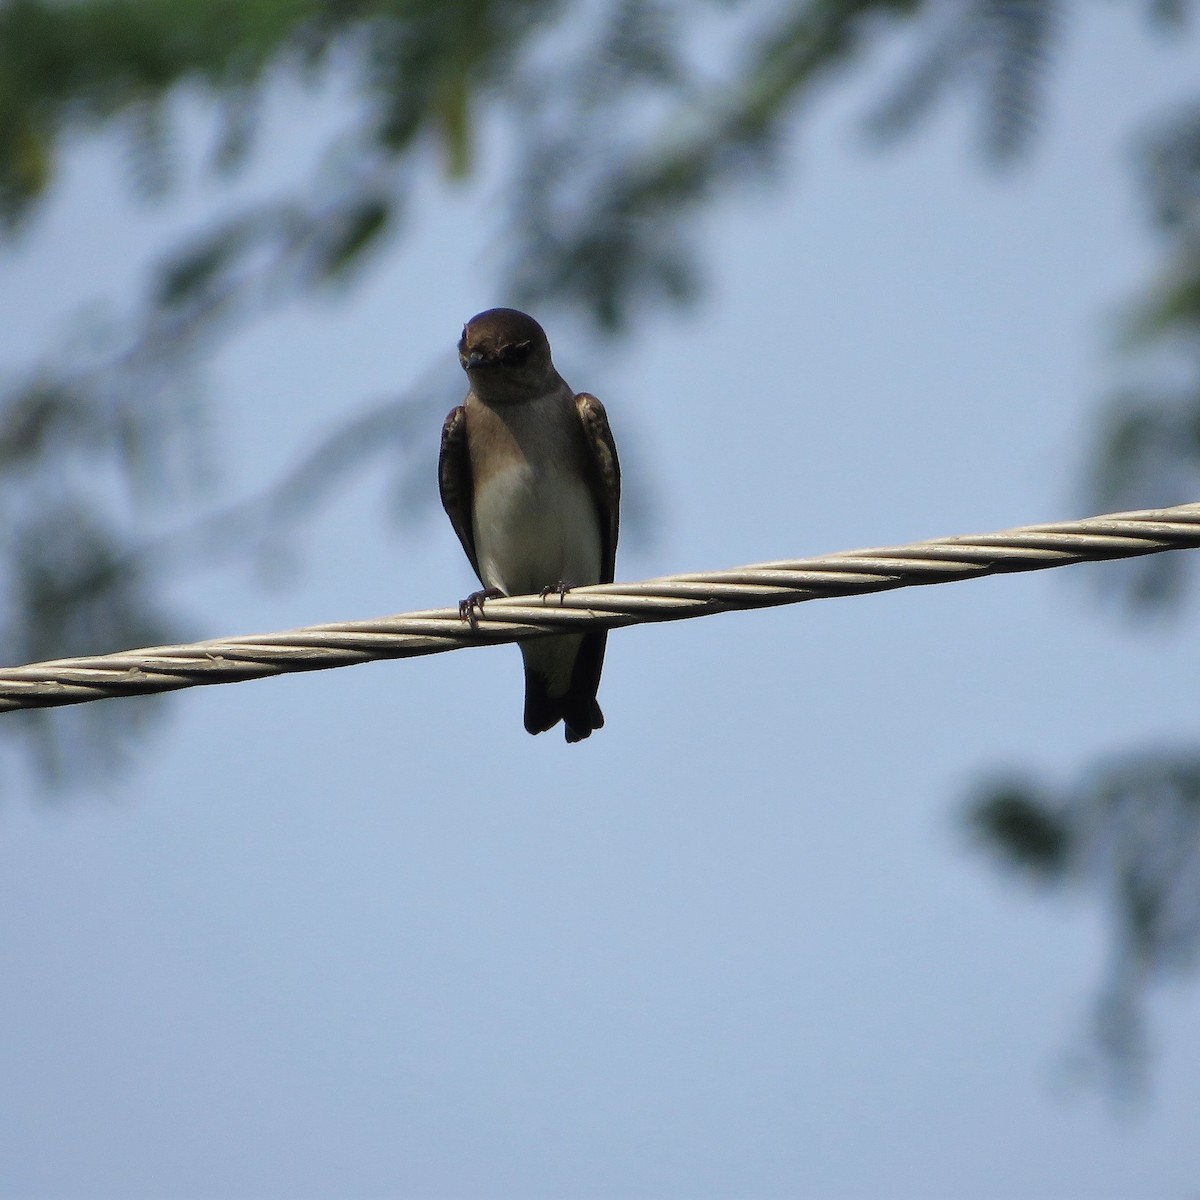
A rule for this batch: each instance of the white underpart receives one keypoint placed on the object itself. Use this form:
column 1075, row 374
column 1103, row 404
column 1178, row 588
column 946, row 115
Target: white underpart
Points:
column 535, row 529
column 536, row 526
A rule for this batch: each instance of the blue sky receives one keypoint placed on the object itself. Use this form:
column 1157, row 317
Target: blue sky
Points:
column 356, row 934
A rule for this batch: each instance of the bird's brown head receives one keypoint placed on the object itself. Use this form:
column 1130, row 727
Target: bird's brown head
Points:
column 506, row 356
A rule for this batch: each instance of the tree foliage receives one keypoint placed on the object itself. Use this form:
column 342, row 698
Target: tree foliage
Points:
column 1127, row 832
column 1149, row 435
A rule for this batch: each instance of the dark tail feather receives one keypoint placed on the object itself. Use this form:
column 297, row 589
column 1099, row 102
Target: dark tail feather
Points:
column 581, row 713
column 580, row 725
column 577, row 707
column 542, row 711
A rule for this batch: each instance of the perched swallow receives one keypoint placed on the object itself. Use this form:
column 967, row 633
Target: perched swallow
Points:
column 529, row 478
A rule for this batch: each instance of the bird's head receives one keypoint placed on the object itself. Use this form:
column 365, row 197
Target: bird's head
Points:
column 506, row 356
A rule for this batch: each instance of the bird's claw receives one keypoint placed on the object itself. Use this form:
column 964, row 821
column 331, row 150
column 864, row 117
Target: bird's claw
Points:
column 559, row 589
column 471, row 609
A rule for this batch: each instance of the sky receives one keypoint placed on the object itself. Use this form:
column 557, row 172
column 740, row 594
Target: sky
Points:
column 355, row 934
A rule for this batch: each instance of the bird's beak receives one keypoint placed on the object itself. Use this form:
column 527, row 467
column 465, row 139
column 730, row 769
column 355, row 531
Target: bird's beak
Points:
column 475, row 359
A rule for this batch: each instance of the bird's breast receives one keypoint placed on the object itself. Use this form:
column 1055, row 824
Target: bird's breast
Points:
column 536, row 526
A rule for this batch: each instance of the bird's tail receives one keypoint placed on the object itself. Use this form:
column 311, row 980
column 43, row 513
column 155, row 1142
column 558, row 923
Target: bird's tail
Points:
column 577, row 707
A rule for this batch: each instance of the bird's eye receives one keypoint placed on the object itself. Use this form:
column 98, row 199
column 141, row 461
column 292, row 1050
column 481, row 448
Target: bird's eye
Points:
column 516, row 354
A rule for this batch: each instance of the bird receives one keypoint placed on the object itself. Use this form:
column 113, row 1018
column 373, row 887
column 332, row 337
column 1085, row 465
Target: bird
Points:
column 528, row 475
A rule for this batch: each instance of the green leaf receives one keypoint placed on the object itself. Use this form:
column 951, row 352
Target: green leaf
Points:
column 351, row 234
column 1026, row 829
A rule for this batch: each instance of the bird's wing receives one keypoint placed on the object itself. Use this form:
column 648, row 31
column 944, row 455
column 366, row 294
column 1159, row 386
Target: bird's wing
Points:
column 604, row 476
column 455, row 482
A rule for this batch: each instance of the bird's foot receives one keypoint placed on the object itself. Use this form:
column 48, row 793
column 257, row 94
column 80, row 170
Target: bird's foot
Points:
column 559, row 589
column 471, row 609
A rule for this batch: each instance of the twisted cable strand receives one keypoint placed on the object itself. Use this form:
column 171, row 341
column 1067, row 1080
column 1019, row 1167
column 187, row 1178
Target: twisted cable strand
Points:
column 612, row 606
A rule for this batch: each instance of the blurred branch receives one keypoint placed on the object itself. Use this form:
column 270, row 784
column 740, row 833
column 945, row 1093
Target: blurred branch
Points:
column 257, row 529
column 1148, row 440
column 1001, row 47
column 1127, row 832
